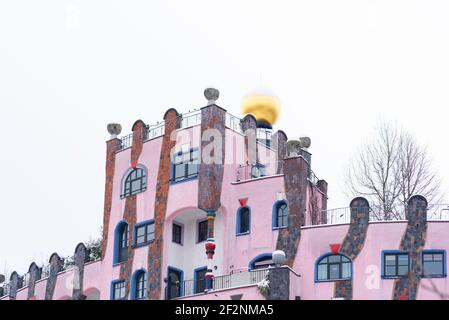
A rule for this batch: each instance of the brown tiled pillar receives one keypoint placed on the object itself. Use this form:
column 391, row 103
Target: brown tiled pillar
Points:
column 295, row 184
column 155, row 250
column 413, row 242
column 111, row 149
column 353, row 243
column 14, row 284
column 210, row 177
column 130, row 212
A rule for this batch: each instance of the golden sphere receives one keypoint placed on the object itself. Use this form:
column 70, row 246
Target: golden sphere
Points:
column 265, row 107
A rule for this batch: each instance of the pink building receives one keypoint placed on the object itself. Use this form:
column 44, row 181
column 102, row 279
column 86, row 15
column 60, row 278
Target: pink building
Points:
column 196, row 205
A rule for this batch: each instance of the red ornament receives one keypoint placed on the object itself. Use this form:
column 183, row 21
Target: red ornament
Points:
column 210, row 246
column 335, row 248
column 403, row 298
column 134, row 164
column 243, row 202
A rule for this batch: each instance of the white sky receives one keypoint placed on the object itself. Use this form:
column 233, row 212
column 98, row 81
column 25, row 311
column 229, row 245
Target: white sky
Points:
column 67, row 68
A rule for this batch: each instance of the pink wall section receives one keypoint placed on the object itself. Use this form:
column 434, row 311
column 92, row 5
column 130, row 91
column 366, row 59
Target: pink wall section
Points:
column 314, row 243
column 437, row 239
column 249, row 293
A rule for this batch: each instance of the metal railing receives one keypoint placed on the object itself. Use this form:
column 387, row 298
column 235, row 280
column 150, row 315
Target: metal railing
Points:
column 435, row 212
column 232, row 122
column 191, row 118
column 126, row 141
column 251, row 171
column 190, row 287
column 155, row 130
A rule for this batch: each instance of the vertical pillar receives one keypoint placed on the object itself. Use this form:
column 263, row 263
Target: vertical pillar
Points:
column 130, row 210
column 353, row 243
column 322, row 186
column 249, row 128
column 55, row 266
column 295, row 184
column 155, row 249
column 280, row 145
column 35, row 274
column 81, row 256
column 14, row 283
column 112, row 146
column 279, row 278
column 210, row 176
column 413, row 242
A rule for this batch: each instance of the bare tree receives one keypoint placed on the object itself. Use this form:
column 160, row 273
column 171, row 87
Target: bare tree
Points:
column 388, row 170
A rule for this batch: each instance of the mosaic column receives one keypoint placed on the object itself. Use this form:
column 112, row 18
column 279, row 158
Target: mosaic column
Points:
column 413, row 242
column 210, row 176
column 35, row 274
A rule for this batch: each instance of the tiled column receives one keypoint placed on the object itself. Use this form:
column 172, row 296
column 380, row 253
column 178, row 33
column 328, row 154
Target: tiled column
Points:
column 81, row 255
column 210, row 177
column 413, row 242
column 353, row 243
column 35, row 274
column 55, row 266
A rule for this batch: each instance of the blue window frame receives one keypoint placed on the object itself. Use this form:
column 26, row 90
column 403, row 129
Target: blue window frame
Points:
column 118, row 290
column 262, row 261
column 175, row 283
column 395, row 264
column 280, row 214
column 139, row 285
column 243, row 225
column 143, row 233
column 135, row 182
column 185, row 165
column 434, row 263
column 332, row 267
column 121, row 242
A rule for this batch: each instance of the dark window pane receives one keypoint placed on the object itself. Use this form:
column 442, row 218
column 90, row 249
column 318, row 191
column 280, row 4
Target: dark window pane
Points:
column 177, row 233
column 335, row 258
column 403, row 259
column 244, row 220
column 200, row 280
column 390, row 260
column 402, row 270
column 202, row 231
column 334, row 267
column 185, row 165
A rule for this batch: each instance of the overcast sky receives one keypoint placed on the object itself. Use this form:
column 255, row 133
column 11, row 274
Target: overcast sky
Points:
column 67, row 68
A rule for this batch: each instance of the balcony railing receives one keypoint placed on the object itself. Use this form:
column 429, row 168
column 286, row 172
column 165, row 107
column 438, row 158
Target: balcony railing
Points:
column 190, row 119
column 233, row 123
column 240, row 279
column 435, row 212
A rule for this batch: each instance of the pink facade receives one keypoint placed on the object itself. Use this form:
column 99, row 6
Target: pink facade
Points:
column 236, row 255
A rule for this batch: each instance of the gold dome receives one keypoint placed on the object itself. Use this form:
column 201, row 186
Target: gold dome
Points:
column 265, row 107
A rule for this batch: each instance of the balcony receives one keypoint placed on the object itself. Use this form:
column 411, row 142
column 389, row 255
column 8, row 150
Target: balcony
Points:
column 234, row 280
column 435, row 212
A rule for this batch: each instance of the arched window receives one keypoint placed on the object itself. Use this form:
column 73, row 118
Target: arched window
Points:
column 262, row 261
column 333, row 267
column 139, row 285
column 243, row 220
column 280, row 214
column 121, row 242
column 135, row 182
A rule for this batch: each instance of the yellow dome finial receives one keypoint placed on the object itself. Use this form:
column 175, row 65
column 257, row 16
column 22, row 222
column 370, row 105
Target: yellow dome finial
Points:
column 264, row 106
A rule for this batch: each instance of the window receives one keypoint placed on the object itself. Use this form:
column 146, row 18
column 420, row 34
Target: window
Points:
column 121, row 242
column 185, row 165
column 243, row 220
column 177, row 233
column 202, row 231
column 200, row 280
column 118, row 290
column 140, row 284
column 144, row 233
column 396, row 264
column 333, row 267
column 135, row 182
column 262, row 261
column 433, row 264
column 280, row 215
